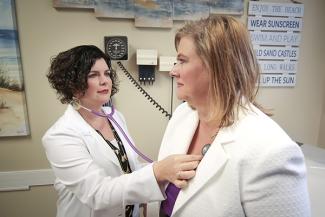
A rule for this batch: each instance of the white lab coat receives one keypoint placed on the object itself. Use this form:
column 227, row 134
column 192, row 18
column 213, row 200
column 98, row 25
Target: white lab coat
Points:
column 252, row 169
column 89, row 179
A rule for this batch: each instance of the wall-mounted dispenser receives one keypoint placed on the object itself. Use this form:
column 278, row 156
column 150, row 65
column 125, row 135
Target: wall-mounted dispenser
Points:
column 166, row 63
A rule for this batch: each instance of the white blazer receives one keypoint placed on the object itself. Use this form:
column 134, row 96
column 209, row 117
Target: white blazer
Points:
column 89, row 179
column 252, row 169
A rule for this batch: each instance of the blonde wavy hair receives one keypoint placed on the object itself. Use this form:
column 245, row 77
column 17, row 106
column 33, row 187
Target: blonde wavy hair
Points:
column 223, row 44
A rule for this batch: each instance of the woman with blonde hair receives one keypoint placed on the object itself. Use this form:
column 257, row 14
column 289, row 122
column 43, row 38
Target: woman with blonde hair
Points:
column 251, row 167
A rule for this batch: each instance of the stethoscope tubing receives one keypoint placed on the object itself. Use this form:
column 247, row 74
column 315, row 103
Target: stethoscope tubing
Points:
column 110, row 117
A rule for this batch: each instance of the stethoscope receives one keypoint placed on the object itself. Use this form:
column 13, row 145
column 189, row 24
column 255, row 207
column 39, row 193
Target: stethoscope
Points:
column 110, row 117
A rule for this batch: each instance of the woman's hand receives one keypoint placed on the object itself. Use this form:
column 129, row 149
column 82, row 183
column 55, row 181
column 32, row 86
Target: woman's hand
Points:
column 177, row 169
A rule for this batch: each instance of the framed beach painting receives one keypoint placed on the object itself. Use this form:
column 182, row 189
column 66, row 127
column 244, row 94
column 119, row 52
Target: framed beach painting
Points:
column 190, row 10
column 13, row 109
column 86, row 4
column 153, row 13
column 114, row 8
column 232, row 7
column 156, row 13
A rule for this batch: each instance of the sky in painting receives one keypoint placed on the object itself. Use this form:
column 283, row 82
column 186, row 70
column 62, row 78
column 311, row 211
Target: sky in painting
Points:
column 6, row 21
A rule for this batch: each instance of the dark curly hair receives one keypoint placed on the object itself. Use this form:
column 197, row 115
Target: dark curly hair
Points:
column 69, row 70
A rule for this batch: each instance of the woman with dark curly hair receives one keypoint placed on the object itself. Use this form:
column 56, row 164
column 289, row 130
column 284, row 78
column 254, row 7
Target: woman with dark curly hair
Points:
column 97, row 172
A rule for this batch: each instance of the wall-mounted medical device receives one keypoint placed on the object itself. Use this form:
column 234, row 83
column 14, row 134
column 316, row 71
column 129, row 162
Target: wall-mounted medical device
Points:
column 144, row 92
column 116, row 47
column 147, row 60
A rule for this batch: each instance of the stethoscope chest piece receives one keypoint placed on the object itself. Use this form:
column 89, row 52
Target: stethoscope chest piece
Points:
column 205, row 148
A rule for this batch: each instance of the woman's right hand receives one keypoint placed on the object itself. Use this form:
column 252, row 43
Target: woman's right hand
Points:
column 177, row 169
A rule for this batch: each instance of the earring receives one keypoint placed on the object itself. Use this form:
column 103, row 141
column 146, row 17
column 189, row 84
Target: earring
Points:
column 75, row 103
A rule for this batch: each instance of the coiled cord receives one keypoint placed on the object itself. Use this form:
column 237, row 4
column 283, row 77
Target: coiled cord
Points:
column 137, row 85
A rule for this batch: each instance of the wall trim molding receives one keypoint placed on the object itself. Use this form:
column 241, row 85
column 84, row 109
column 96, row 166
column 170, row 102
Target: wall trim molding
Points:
column 24, row 179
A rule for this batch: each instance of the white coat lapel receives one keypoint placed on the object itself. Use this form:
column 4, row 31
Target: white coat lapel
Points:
column 90, row 136
column 212, row 163
column 94, row 139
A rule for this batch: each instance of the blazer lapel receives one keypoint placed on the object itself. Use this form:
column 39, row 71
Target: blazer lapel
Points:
column 212, row 163
column 179, row 139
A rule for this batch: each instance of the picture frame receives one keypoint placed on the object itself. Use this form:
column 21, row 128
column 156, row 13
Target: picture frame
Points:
column 13, row 108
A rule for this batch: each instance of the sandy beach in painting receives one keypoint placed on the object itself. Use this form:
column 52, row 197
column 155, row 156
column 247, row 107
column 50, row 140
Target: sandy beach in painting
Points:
column 12, row 117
